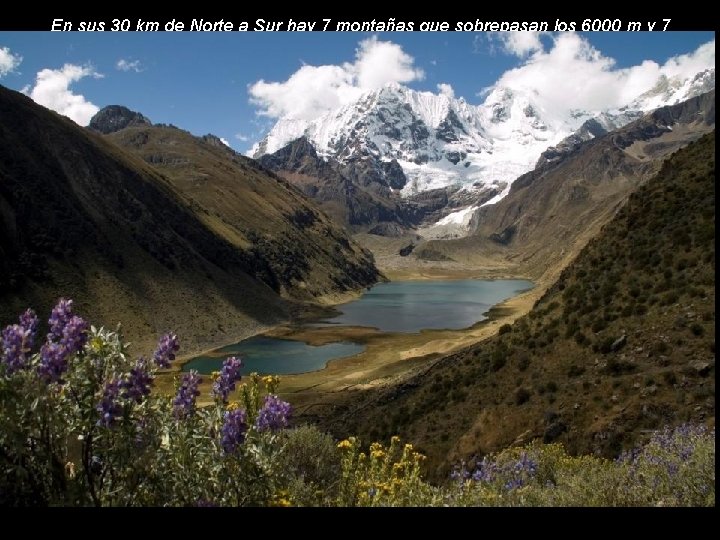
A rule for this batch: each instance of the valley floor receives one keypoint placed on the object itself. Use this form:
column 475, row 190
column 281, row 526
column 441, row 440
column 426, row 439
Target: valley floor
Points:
column 388, row 357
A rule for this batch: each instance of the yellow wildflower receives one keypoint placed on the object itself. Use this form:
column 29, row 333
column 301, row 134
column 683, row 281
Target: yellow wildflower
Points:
column 96, row 344
column 232, row 406
column 280, row 499
column 342, row 445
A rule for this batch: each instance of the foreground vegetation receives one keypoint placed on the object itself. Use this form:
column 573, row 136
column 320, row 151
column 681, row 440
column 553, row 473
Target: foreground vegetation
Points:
column 80, row 425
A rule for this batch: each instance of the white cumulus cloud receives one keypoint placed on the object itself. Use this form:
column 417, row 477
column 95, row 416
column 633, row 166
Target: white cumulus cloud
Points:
column 52, row 89
column 128, row 65
column 519, row 43
column 8, row 61
column 446, row 90
column 572, row 74
column 313, row 90
column 225, row 142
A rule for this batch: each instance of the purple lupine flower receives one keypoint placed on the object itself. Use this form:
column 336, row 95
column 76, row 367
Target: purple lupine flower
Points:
column 15, row 348
column 138, row 382
column 29, row 322
column 229, row 375
column 68, row 334
column 59, row 317
column 74, row 335
column 514, row 473
column 514, row 483
column 460, row 473
column 166, row 349
column 670, row 448
column 233, row 430
column 184, row 402
column 273, row 415
column 18, row 341
column 53, row 362
column 485, row 471
column 525, row 466
column 109, row 407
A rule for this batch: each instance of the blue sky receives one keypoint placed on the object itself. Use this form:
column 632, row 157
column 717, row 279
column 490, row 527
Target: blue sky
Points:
column 203, row 82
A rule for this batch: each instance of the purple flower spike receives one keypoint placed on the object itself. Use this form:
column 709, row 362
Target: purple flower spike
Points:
column 53, row 362
column 273, row 415
column 74, row 335
column 166, row 349
column 109, row 407
column 29, row 322
column 137, row 384
column 15, row 348
column 233, row 430
column 184, row 402
column 225, row 383
column 59, row 317
column 68, row 334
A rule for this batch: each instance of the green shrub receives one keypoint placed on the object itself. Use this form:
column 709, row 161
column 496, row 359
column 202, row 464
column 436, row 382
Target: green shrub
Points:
column 522, row 395
column 697, row 329
column 311, row 459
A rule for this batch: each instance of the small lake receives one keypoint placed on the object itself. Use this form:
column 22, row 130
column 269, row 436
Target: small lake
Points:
column 411, row 306
column 400, row 306
column 270, row 356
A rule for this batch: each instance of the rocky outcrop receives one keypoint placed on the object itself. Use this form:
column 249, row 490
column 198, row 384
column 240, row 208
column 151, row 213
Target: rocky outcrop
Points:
column 361, row 193
column 116, row 117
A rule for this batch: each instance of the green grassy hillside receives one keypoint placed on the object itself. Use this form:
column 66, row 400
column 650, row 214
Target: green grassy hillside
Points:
column 296, row 249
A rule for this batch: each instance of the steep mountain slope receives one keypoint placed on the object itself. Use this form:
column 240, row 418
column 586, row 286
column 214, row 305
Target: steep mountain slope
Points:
column 346, row 202
column 557, row 207
column 621, row 344
column 80, row 217
column 440, row 142
column 357, row 193
column 303, row 254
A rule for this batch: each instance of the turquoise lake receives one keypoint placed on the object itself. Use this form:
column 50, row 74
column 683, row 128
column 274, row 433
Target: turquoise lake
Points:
column 270, row 356
column 400, row 306
column 411, row 306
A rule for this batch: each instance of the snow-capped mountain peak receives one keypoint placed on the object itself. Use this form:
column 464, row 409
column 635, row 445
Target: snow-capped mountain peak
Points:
column 437, row 140
column 440, row 141
column 673, row 90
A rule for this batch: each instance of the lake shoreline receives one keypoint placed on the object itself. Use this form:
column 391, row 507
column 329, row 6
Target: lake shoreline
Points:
column 386, row 355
